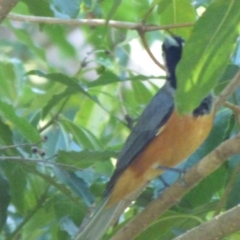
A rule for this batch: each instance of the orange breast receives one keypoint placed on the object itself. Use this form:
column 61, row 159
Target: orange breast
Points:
column 177, row 140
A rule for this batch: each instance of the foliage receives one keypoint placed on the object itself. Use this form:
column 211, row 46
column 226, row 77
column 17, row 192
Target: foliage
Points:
column 70, row 94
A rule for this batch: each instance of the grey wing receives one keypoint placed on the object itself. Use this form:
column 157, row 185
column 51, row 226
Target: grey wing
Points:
column 151, row 120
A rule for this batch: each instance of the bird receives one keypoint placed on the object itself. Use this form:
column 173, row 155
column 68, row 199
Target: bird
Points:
column 161, row 139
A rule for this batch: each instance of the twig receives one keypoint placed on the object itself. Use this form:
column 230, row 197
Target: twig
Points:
column 145, row 45
column 233, row 107
column 236, row 111
column 172, row 195
column 95, row 23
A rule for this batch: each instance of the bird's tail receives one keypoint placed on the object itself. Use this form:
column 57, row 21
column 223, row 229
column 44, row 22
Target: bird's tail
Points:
column 94, row 227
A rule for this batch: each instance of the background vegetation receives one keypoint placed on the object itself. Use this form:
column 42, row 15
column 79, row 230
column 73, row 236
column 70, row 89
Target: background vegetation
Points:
column 71, row 90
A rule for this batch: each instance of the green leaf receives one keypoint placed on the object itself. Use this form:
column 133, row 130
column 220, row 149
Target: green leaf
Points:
column 109, row 78
column 66, row 8
column 4, row 199
column 6, row 134
column 166, row 227
column 64, row 79
column 116, row 4
column 56, row 99
column 6, row 139
column 39, row 8
column 78, row 185
column 229, row 73
column 17, row 181
column 58, row 37
column 20, row 123
column 84, row 158
column 207, row 53
column 234, row 194
column 176, row 12
column 8, row 77
column 141, row 93
column 73, row 87
column 104, row 79
column 69, row 226
column 72, row 83
column 82, row 136
column 210, row 185
column 63, row 189
column 24, row 37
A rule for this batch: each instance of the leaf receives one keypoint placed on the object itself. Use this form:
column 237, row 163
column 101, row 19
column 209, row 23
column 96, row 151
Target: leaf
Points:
column 6, row 134
column 20, row 123
column 62, row 188
column 210, row 186
column 67, row 81
column 39, row 8
column 64, row 8
column 69, row 226
column 17, row 180
column 58, row 37
column 116, row 4
column 8, row 86
column 229, row 73
column 176, row 12
column 141, row 93
column 57, row 77
column 108, row 78
column 4, row 199
column 56, row 99
column 84, row 158
column 82, row 136
column 104, row 79
column 6, row 139
column 207, row 53
column 167, row 226
column 233, row 197
column 78, row 185
column 25, row 38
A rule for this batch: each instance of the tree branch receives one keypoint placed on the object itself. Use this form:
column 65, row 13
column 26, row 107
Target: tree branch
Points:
column 172, row 195
column 223, row 225
column 95, row 23
column 5, row 8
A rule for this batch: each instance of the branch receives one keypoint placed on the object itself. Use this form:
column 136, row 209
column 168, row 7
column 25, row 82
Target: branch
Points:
column 172, row 195
column 223, row 225
column 5, row 8
column 95, row 23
